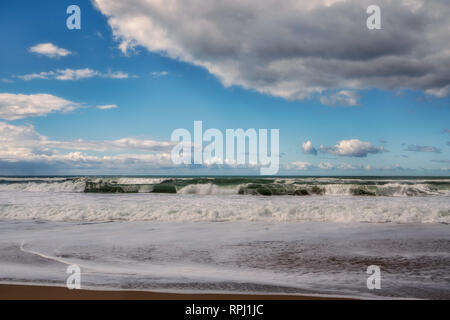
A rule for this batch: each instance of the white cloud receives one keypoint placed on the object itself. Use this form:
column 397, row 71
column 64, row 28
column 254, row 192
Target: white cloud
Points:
column 325, row 166
column 300, row 165
column 158, row 74
column 295, row 49
column 309, row 148
column 19, row 106
column 352, row 148
column 394, row 167
column 32, row 76
column 111, row 145
column 342, row 98
column 107, row 107
column 49, row 50
column 217, row 163
column 71, row 74
column 19, row 142
column 117, row 75
column 348, row 166
column 75, row 74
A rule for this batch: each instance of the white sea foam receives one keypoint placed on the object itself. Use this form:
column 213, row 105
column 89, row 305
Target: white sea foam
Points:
column 195, row 208
column 393, row 189
column 334, row 187
column 140, row 180
column 208, row 189
column 232, row 257
column 54, row 186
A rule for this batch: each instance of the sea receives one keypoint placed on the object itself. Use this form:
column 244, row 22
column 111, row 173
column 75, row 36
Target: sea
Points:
column 277, row 235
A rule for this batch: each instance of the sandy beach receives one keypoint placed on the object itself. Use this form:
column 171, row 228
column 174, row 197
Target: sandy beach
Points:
column 26, row 292
column 286, row 259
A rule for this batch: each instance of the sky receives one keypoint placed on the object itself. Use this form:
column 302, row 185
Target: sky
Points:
column 106, row 98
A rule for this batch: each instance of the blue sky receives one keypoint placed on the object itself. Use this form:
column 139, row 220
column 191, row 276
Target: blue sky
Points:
column 156, row 90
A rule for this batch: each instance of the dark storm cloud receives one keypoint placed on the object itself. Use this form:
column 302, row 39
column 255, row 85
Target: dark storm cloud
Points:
column 296, row 49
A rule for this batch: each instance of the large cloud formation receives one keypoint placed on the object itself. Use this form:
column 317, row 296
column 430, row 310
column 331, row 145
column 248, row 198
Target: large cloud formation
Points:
column 296, row 49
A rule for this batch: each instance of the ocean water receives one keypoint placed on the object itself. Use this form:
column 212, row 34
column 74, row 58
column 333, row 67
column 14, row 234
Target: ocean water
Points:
column 217, row 234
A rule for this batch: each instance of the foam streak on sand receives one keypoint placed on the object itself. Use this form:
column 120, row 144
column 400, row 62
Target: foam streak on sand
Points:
column 317, row 258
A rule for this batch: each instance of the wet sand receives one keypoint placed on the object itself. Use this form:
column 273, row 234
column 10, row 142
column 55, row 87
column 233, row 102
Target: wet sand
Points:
column 26, row 292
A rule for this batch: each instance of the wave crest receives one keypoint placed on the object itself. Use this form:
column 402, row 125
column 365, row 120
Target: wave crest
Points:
column 241, row 186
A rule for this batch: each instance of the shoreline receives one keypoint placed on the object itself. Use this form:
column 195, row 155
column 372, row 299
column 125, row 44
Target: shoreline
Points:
column 39, row 292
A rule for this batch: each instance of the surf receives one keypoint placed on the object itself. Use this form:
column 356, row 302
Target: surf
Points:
column 248, row 186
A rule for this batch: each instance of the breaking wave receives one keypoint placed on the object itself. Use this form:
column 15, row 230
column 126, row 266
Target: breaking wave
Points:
column 233, row 185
